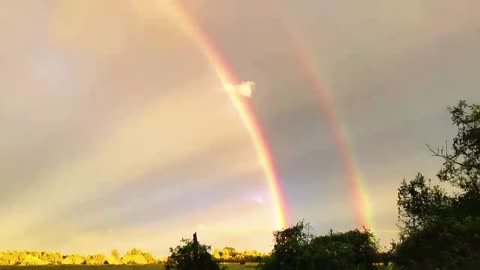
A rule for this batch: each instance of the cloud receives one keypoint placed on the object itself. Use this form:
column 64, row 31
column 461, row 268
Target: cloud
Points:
column 243, row 89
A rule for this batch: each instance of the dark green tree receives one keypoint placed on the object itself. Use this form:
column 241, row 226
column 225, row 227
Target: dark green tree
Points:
column 418, row 202
column 297, row 249
column 461, row 166
column 441, row 230
column 191, row 255
column 348, row 250
column 290, row 251
column 446, row 244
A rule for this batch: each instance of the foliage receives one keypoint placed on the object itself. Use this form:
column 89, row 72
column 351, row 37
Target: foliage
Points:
column 449, row 244
column 229, row 254
column 191, row 256
column 74, row 259
column 135, row 256
column 237, row 266
column 418, row 201
column 86, row 267
column 149, row 258
column 290, row 250
column 440, row 230
column 132, row 257
column 297, row 249
column 114, row 258
column 461, row 168
column 97, row 259
column 349, row 250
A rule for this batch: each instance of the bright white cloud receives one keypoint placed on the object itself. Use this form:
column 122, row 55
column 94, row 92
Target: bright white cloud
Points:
column 244, row 88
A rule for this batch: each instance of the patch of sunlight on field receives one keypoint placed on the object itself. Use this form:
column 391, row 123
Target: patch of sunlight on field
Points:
column 237, row 266
column 87, row 267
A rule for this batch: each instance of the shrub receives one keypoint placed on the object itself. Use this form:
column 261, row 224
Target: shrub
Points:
column 191, row 255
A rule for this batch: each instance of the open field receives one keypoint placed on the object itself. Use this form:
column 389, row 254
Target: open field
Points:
column 236, row 266
column 230, row 266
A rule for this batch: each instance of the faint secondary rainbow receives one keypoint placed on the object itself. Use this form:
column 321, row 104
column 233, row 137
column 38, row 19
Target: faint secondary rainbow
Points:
column 242, row 105
column 359, row 199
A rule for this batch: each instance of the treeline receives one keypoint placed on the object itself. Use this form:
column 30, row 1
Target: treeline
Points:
column 229, row 254
column 132, row 257
column 296, row 248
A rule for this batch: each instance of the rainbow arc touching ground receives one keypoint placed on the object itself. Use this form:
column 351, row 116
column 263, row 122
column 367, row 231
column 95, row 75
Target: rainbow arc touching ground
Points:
column 358, row 196
column 243, row 107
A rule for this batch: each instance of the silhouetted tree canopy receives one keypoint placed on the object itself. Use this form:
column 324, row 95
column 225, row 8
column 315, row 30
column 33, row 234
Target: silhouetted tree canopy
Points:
column 349, row 250
column 441, row 230
column 191, row 255
column 297, row 248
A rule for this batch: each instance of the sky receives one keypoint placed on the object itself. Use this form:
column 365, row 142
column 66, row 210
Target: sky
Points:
column 117, row 132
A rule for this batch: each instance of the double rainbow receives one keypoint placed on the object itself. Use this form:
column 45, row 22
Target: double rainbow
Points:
column 358, row 196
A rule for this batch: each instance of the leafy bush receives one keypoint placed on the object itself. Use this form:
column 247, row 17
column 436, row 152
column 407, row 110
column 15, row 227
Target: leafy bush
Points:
column 297, row 249
column 350, row 250
column 191, row 256
column 290, row 250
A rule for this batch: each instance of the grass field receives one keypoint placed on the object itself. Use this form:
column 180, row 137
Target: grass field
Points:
column 230, row 266
column 236, row 266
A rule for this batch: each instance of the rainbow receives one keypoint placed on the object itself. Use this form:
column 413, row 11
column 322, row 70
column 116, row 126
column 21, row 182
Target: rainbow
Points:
column 243, row 107
column 359, row 199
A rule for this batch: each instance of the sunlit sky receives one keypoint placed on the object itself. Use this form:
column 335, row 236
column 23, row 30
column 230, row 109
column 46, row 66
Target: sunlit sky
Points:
column 115, row 131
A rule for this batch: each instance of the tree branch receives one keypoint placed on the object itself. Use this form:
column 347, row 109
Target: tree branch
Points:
column 439, row 153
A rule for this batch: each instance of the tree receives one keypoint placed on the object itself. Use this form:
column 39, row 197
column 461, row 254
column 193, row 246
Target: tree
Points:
column 29, row 259
column 191, row 256
column 349, row 250
column 114, row 258
column 442, row 230
column 97, row 259
column 135, row 251
column 217, row 254
column 446, row 244
column 290, row 248
column 149, row 258
column 116, row 254
column 418, row 201
column 74, row 259
column 134, row 256
column 57, row 258
column 461, row 166
column 297, row 249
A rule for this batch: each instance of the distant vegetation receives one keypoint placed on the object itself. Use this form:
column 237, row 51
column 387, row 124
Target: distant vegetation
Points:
column 132, row 257
column 440, row 230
